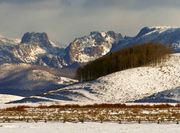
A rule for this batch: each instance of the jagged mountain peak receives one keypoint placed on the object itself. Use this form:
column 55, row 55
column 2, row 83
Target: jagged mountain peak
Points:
column 95, row 33
column 33, row 36
column 36, row 38
column 144, row 30
column 103, row 34
column 91, row 47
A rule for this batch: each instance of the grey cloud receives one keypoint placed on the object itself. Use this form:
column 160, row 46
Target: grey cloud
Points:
column 65, row 2
column 65, row 20
column 133, row 4
column 129, row 4
column 23, row 2
column 20, row 1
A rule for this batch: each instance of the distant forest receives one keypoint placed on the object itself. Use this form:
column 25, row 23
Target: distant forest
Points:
column 136, row 56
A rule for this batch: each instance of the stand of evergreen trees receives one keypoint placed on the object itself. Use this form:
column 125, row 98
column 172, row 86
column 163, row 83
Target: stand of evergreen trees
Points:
column 138, row 55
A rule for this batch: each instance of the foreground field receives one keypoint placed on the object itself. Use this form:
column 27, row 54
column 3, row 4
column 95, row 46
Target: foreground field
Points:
column 87, row 128
column 119, row 113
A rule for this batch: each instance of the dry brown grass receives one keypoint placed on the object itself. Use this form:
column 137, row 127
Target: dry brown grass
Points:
column 95, row 112
column 109, row 106
column 17, row 108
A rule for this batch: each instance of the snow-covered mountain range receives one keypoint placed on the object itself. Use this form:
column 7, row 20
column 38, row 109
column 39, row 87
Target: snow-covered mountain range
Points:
column 34, row 68
column 161, row 34
column 36, row 48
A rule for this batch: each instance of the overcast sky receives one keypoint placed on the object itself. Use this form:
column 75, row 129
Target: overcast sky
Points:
column 65, row 20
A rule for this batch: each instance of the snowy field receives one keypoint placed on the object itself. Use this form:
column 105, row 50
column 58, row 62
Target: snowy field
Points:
column 87, row 128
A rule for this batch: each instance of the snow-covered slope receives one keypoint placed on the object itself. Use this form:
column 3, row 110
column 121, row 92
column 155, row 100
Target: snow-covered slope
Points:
column 91, row 47
column 4, row 98
column 28, row 80
column 124, row 86
column 6, row 41
column 172, row 95
column 162, row 34
column 87, row 127
column 6, row 47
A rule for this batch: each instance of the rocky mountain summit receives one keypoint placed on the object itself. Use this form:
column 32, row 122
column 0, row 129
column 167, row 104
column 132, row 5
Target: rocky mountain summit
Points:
column 91, row 47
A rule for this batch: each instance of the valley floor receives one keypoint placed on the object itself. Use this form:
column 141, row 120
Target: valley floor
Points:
column 87, row 128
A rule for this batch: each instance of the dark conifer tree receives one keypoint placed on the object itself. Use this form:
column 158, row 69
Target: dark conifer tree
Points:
column 138, row 55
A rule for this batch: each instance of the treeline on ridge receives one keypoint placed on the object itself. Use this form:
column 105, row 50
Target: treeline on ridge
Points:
column 135, row 56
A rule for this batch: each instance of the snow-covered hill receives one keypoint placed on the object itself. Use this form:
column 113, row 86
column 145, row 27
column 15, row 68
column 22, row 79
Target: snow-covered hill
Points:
column 162, row 34
column 27, row 80
column 172, row 95
column 124, row 86
column 4, row 98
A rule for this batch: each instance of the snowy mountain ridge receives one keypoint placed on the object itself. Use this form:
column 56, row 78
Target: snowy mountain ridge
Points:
column 37, row 48
column 161, row 34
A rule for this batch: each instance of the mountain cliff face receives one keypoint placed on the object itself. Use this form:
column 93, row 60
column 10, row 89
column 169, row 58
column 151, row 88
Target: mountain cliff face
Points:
column 37, row 38
column 91, row 47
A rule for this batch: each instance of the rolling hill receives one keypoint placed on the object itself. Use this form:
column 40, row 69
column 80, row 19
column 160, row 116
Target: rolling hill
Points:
column 124, row 86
